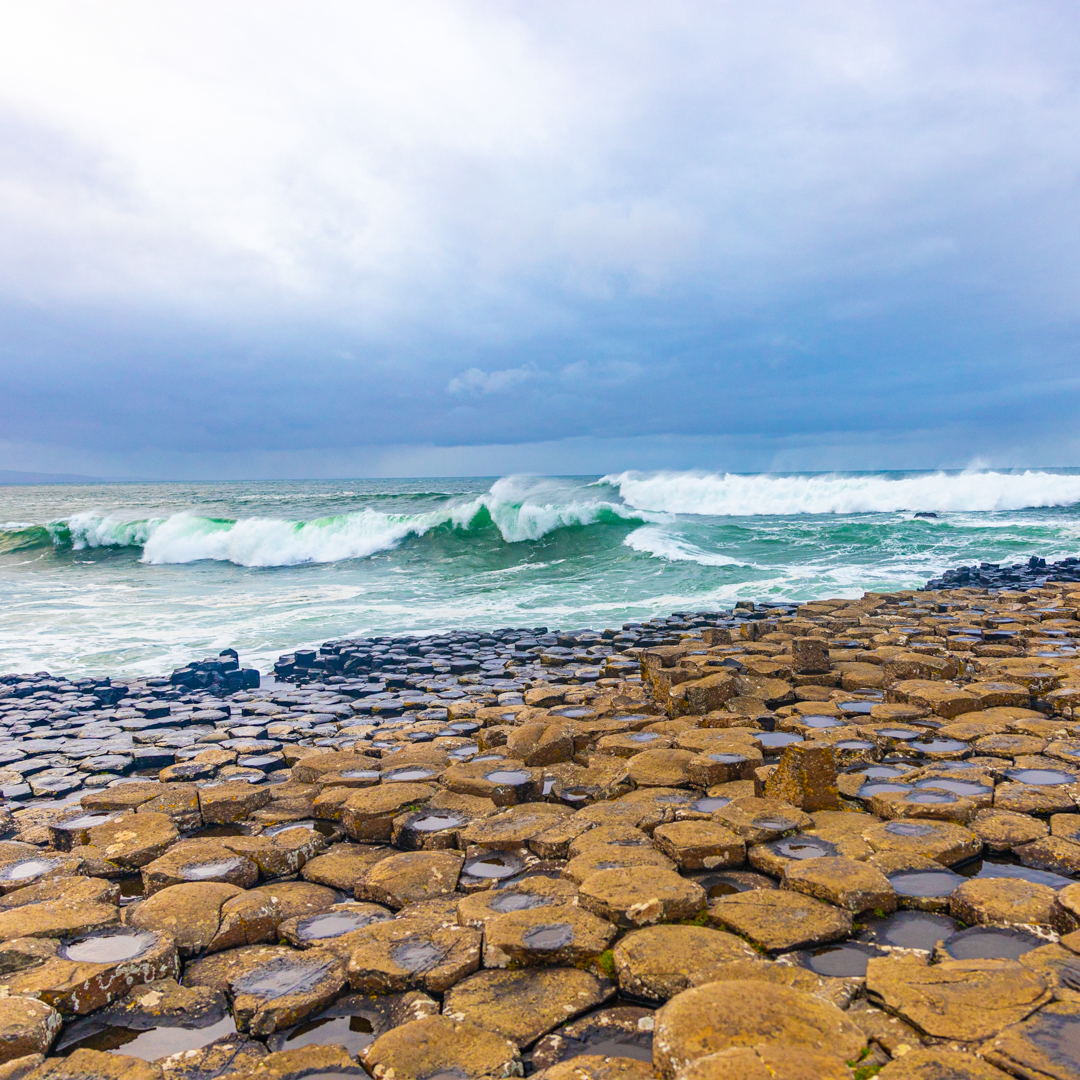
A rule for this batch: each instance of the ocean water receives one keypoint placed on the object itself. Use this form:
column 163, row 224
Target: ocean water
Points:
column 140, row 578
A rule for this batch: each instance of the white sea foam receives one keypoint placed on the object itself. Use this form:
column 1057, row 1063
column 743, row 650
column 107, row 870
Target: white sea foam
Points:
column 730, row 494
column 658, row 542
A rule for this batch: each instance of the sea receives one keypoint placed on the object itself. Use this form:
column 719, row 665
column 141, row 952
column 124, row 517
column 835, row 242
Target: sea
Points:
column 139, row 578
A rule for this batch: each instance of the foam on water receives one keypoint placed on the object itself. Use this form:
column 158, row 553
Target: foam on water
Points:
column 733, row 494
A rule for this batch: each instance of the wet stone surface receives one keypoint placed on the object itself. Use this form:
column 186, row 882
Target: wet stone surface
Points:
column 443, row 855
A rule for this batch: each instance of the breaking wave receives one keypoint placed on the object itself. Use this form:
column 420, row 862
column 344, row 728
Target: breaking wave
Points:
column 510, row 506
column 735, row 495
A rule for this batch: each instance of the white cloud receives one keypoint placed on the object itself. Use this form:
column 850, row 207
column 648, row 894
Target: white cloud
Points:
column 475, row 381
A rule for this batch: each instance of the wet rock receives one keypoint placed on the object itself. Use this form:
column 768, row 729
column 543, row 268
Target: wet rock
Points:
column 198, row 860
column 624, row 1030
column 226, row 1056
column 57, row 919
column 963, row 1000
column 134, row 840
column 515, row 826
column 615, row 856
column 1053, row 853
column 1003, row 830
column 661, row 768
column 505, row 782
column 95, row 1065
column 412, row 954
column 86, row 974
column 1043, row 1045
column 854, row 886
column 334, row 929
column 1001, row 901
column 659, row 962
column 726, row 1015
column 943, row 842
column 940, row 1064
column 315, row 1061
column 557, row 936
column 766, row 1062
column 27, row 1026
column 599, row 1067
column 440, row 1046
column 228, row 801
column 781, row 920
column 523, row 1005
column 271, row 987
column 529, row 894
column 340, row 865
column 806, row 777
column 408, row 877
column 640, row 896
column 700, row 845
column 761, row 820
column 368, row 814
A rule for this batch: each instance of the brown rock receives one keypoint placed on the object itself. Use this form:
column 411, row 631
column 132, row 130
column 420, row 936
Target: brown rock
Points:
column 1043, row 1045
column 640, row 897
column 1002, row 901
column 27, row 1026
column 411, row 954
column 805, row 777
column 726, row 1015
column 340, row 865
column 761, row 820
column 410, row 876
column 661, row 961
column 443, row 1047
column 368, row 813
column 962, row 1000
column 96, row 1065
column 778, row 921
column 937, row 1063
column 198, row 860
column 766, row 1062
column 700, row 845
column 1002, row 830
column 557, row 936
column 854, row 886
column 941, row 841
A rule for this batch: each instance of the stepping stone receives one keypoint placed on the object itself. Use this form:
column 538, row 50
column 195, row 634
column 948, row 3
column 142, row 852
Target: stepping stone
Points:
column 555, row 936
column 700, row 845
column 944, row 842
column 726, row 1015
column 632, row 897
column 524, row 1005
column 410, row 954
column 845, row 883
column 408, row 877
column 659, row 962
column 780, row 920
column 340, row 865
column 965, row 1000
column 624, row 1030
column 1004, row 901
column 199, row 860
column 440, row 1046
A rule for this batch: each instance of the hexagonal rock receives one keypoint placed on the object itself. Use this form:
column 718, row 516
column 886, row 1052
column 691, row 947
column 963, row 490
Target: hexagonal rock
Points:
column 1002, row 901
column 923, row 804
column 660, row 768
column 606, row 836
column 965, row 1000
column 529, row 894
column 1002, row 830
column 27, row 1026
column 412, row 954
column 938, row 840
column 661, row 961
column 271, row 987
column 515, row 826
column 725, row 1015
column 761, row 820
column 854, row 886
column 441, row 1046
column 408, row 877
column 780, row 920
column 506, row 783
column 81, row 1064
column 627, row 1026
column 334, row 930
column 1053, row 853
column 612, row 857
column 1044, row 1045
column 224, row 802
column 523, row 1005
column 558, row 936
column 542, row 743
column 1033, row 798
column 86, row 974
column 198, row 860
column 765, row 1062
column 133, row 840
column 340, row 865
column 937, row 1063
column 57, row 918
column 640, row 896
column 368, row 813
column 806, row 777
column 599, row 1067
column 700, row 845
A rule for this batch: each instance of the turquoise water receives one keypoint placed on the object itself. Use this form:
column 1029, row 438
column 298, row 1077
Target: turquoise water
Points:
column 138, row 578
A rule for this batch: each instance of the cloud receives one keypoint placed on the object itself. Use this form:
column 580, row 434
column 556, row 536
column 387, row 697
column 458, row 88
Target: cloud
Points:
column 240, row 228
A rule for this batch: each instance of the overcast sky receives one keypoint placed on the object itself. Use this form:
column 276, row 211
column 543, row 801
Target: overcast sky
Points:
column 320, row 238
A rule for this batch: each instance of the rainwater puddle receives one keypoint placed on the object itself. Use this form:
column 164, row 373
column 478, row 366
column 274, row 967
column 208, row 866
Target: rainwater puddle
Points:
column 777, row 739
column 551, row 936
column 207, row 871
column 508, row 776
column 280, row 977
column 990, row 943
column 820, row 722
column 516, row 901
column 416, row 955
column 334, row 924
column 913, row 930
column 153, row 1044
column 108, row 948
column 355, row 1033
column 407, row 775
column 495, row 866
column 429, row 823
column 1040, row 777
column 803, row 847
column 845, row 961
column 925, row 883
column 710, row 803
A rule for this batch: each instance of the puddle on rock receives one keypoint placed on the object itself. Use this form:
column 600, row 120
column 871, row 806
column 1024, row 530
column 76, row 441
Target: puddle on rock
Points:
column 777, row 739
column 508, row 776
column 912, row 930
column 984, row 868
column 925, row 883
column 205, row 871
column 407, row 775
column 908, row 828
column 150, row 1045
column 820, row 722
column 335, row 923
column 710, row 803
column 550, row 936
column 803, row 847
column 990, row 943
column 497, row 865
column 28, row 868
column 417, row 955
column 436, row 822
column 280, row 977
column 355, row 1033
column 108, row 947
column 1040, row 777
column 517, row 901
column 879, row 787
column 846, row 960
column 965, row 788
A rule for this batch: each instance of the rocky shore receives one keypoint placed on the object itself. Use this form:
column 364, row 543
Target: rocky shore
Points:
column 837, row 839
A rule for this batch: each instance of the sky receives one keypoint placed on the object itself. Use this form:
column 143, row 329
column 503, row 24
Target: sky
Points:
column 268, row 239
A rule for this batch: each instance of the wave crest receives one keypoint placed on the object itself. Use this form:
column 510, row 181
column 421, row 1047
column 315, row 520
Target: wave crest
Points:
column 734, row 495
